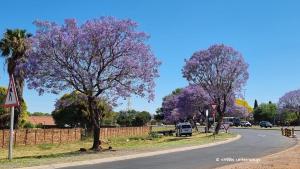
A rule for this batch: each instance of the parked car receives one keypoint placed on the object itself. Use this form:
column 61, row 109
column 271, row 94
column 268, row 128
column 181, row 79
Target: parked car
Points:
column 265, row 124
column 236, row 122
column 233, row 121
column 184, row 129
column 246, row 124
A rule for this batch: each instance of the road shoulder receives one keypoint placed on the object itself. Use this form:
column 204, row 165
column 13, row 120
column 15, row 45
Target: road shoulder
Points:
column 286, row 159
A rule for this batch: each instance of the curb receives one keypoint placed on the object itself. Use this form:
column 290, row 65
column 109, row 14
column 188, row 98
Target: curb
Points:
column 133, row 156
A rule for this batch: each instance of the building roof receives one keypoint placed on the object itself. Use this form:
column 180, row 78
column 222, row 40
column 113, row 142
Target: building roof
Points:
column 44, row 120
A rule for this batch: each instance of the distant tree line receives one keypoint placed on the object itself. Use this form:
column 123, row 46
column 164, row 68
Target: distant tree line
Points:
column 275, row 113
column 133, row 118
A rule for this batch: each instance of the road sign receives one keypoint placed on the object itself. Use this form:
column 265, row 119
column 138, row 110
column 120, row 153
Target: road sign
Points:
column 11, row 101
column 11, row 97
column 214, row 106
column 226, row 126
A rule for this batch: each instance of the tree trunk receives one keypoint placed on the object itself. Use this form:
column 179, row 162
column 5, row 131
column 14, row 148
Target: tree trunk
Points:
column 298, row 118
column 220, row 113
column 19, row 82
column 96, row 141
column 95, row 113
column 219, row 122
column 194, row 124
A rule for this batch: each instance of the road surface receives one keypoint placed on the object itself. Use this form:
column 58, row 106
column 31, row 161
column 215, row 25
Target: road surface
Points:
column 252, row 145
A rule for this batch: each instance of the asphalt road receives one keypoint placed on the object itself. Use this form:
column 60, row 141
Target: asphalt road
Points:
column 252, row 145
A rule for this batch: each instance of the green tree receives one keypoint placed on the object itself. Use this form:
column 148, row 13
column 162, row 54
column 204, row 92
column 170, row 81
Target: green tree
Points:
column 39, row 114
column 288, row 118
column 72, row 110
column 133, row 118
column 13, row 47
column 109, row 119
column 5, row 112
column 125, row 118
column 141, row 118
column 159, row 116
column 255, row 104
column 265, row 112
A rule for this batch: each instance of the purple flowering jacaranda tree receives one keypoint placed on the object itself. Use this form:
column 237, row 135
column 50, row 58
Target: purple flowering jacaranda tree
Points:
column 290, row 102
column 102, row 58
column 169, row 109
column 188, row 104
column 221, row 71
column 192, row 102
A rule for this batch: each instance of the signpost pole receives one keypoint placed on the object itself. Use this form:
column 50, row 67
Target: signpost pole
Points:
column 206, row 113
column 11, row 134
column 213, row 105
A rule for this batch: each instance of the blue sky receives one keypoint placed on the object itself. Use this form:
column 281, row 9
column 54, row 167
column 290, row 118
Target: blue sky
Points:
column 266, row 32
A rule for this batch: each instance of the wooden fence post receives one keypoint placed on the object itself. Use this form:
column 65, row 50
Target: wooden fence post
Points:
column 26, row 137
column 3, row 138
column 60, row 135
column 106, row 133
column 109, row 133
column 52, row 132
column 35, row 131
column 44, row 135
column 68, row 135
column 15, row 142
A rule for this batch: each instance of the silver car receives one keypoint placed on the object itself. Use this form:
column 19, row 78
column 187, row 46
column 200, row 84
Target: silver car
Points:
column 184, row 129
column 246, row 124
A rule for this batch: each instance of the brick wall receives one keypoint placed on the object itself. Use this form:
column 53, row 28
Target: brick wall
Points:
column 51, row 136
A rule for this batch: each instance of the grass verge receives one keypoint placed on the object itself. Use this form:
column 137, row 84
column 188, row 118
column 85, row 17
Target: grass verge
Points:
column 59, row 153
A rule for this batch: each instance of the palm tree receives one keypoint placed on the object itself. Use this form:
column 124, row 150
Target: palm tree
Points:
column 13, row 47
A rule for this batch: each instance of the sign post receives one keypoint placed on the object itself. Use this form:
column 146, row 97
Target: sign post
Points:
column 206, row 113
column 11, row 101
column 213, row 105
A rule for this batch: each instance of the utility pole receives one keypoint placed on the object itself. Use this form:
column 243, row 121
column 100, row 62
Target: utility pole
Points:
column 129, row 104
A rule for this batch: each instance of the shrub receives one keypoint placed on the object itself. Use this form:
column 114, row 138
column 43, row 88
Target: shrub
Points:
column 28, row 125
column 154, row 135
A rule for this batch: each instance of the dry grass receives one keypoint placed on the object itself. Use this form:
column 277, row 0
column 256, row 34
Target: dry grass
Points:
column 58, row 153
